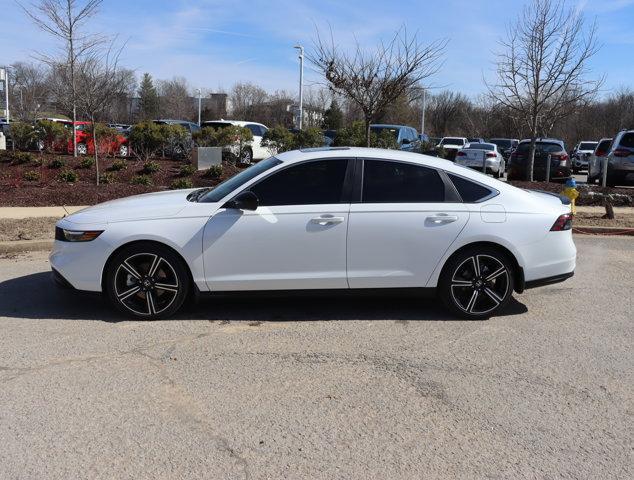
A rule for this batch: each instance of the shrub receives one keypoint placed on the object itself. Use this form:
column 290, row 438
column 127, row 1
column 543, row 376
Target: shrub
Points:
column 147, row 138
column 181, row 183
column 68, row 176
column 186, row 170
column 57, row 163
column 20, row 158
column 354, row 136
column 141, row 180
column 50, row 133
column 24, row 135
column 150, row 168
column 177, row 142
column 87, row 162
column 31, row 176
column 206, row 137
column 106, row 139
column 107, row 178
column 118, row 165
column 277, row 140
column 308, row 138
column 215, row 171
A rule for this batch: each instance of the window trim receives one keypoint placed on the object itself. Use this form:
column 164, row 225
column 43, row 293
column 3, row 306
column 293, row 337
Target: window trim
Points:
column 346, row 190
column 450, row 194
column 494, row 192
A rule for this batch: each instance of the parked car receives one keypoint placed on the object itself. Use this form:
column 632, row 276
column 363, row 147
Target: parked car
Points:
column 544, row 148
column 475, row 140
column 85, row 143
column 406, row 137
column 477, row 155
column 323, row 219
column 580, row 155
column 451, row 145
column 505, row 146
column 329, row 137
column 620, row 158
column 596, row 160
column 255, row 151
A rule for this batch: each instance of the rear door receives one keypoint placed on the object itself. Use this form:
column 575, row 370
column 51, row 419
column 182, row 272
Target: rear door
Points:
column 405, row 222
column 259, row 152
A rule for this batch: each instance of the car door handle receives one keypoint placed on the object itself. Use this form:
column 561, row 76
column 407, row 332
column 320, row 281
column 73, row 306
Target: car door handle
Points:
column 442, row 218
column 326, row 220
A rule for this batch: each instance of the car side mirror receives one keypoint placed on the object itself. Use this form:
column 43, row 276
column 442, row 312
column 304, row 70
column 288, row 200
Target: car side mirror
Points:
column 244, row 201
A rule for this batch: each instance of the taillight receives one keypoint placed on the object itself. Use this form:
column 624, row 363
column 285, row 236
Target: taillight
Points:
column 491, row 155
column 461, row 154
column 622, row 152
column 564, row 222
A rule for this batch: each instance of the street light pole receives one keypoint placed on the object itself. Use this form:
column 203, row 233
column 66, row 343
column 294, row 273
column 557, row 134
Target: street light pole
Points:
column 422, row 120
column 5, row 77
column 301, row 84
column 199, row 104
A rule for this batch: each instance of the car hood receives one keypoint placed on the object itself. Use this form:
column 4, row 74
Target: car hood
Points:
column 139, row 207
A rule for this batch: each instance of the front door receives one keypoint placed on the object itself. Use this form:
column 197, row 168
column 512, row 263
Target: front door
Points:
column 296, row 239
column 402, row 227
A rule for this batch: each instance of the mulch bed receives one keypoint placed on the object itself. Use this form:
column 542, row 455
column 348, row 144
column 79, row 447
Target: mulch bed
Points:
column 588, row 194
column 49, row 190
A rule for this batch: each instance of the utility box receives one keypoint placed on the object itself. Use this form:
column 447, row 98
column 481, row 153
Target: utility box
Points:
column 205, row 157
column 3, row 141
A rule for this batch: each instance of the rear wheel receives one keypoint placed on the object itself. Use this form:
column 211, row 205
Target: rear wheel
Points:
column 123, row 150
column 82, row 149
column 477, row 283
column 247, row 156
column 147, row 281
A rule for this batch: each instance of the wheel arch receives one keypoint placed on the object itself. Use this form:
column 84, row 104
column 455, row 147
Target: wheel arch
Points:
column 518, row 271
column 106, row 265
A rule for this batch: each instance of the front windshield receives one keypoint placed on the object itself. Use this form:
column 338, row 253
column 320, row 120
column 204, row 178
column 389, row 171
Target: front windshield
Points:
column 225, row 188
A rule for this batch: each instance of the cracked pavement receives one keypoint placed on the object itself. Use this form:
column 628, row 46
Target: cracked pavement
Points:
column 328, row 387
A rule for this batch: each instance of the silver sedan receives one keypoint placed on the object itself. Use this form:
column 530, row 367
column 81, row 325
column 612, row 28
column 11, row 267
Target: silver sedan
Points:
column 482, row 156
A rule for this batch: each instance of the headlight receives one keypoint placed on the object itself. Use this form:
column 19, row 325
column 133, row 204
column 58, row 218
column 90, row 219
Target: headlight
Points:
column 64, row 235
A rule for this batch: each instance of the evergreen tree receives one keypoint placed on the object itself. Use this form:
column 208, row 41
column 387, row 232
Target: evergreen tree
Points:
column 148, row 98
column 333, row 117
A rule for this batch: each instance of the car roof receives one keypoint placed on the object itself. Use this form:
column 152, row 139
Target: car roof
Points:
column 240, row 123
column 325, row 153
column 389, row 125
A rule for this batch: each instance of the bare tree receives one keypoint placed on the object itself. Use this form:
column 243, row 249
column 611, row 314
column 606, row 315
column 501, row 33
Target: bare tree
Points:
column 446, row 113
column 175, row 100
column 101, row 82
column 64, row 20
column 542, row 69
column 245, row 99
column 375, row 79
column 29, row 89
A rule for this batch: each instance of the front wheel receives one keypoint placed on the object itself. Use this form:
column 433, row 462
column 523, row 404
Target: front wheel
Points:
column 123, row 150
column 477, row 283
column 147, row 281
column 82, row 149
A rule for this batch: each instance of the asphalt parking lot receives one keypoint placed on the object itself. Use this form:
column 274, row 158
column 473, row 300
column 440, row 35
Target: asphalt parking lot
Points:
column 320, row 388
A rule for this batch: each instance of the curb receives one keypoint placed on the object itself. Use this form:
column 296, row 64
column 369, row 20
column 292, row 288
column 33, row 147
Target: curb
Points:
column 25, row 246
column 605, row 231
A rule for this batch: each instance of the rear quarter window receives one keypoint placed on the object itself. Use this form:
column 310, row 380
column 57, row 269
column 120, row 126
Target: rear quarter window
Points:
column 470, row 192
column 627, row 141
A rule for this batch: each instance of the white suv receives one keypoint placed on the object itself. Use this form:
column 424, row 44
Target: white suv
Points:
column 255, row 151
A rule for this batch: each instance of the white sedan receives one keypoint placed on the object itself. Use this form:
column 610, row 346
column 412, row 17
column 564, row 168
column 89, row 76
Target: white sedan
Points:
column 336, row 219
column 482, row 156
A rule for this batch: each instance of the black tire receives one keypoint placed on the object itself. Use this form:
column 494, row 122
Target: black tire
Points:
column 82, row 149
column 147, row 281
column 470, row 295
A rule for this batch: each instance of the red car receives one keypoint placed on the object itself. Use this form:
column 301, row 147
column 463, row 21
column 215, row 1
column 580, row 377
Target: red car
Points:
column 85, row 144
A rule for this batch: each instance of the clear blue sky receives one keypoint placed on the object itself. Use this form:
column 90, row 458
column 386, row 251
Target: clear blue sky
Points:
column 214, row 43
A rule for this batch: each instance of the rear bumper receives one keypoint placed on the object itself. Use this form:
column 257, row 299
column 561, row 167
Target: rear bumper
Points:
column 540, row 282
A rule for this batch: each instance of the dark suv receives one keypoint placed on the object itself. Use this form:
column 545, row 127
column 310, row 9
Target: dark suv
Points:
column 505, row 146
column 621, row 158
column 544, row 148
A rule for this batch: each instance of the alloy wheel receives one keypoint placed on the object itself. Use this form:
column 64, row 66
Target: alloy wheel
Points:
column 479, row 284
column 82, row 149
column 146, row 284
column 123, row 151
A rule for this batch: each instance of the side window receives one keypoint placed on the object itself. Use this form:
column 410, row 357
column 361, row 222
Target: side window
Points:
column 395, row 182
column 627, row 140
column 469, row 191
column 255, row 129
column 311, row 183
